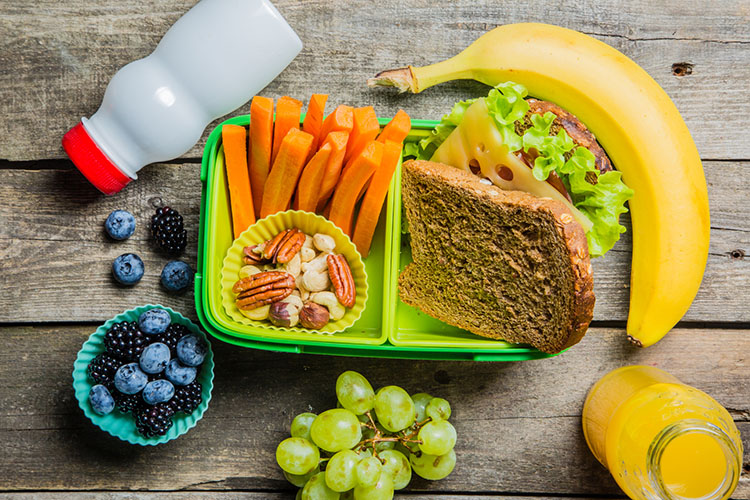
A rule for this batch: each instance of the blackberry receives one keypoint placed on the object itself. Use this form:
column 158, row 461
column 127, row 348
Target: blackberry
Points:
column 172, row 335
column 125, row 341
column 154, row 420
column 187, row 397
column 128, row 403
column 168, row 231
column 102, row 369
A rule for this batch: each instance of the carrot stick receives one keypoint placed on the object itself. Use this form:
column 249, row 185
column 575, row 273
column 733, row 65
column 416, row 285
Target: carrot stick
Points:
column 397, row 129
column 341, row 120
column 261, row 145
column 288, row 111
column 285, row 172
column 365, row 129
column 372, row 203
column 314, row 120
column 308, row 189
column 332, row 173
column 234, row 138
column 351, row 183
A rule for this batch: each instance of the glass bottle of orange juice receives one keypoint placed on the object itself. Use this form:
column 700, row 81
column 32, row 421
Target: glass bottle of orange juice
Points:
column 660, row 438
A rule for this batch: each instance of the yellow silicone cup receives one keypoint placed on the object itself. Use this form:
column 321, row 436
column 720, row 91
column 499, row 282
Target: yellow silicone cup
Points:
column 310, row 224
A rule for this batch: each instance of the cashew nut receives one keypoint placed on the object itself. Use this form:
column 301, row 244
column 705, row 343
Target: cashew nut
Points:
column 317, row 265
column 258, row 314
column 316, row 281
column 246, row 271
column 307, row 254
column 324, row 242
column 303, row 292
column 293, row 266
column 329, row 300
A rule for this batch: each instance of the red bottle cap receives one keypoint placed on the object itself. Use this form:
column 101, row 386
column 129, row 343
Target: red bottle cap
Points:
column 92, row 162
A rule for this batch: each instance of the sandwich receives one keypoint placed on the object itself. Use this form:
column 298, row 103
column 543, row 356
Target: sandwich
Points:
column 515, row 199
column 534, row 146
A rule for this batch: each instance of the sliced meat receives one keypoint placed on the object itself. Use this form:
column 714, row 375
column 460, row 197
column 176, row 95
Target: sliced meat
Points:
column 573, row 126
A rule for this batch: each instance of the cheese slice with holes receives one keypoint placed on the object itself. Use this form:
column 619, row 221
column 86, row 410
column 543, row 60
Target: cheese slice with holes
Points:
column 476, row 141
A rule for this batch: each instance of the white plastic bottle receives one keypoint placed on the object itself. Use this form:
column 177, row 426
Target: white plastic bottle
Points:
column 210, row 62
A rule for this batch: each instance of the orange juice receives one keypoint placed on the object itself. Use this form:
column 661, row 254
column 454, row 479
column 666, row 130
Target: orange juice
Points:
column 662, row 439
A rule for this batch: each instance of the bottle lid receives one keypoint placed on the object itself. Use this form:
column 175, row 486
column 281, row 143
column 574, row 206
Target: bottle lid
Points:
column 92, row 162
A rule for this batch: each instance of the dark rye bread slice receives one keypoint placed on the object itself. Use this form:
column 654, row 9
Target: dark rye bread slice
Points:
column 501, row 264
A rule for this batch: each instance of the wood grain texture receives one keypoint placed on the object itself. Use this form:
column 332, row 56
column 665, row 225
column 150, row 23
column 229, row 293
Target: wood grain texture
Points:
column 518, row 423
column 194, row 495
column 53, row 249
column 62, row 55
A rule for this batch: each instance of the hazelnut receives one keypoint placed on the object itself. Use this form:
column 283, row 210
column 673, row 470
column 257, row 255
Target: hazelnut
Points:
column 283, row 314
column 313, row 316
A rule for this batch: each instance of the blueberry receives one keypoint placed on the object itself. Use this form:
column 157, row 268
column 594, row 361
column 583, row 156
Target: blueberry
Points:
column 154, row 358
column 129, row 379
column 191, row 349
column 101, row 400
column 179, row 374
column 176, row 276
column 154, row 321
column 158, row 391
column 120, row 225
column 127, row 269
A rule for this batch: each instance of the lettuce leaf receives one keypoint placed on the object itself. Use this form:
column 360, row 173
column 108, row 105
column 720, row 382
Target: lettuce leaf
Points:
column 601, row 197
column 448, row 123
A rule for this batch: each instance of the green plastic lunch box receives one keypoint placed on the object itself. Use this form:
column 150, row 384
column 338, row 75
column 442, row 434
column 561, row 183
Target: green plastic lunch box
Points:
column 388, row 328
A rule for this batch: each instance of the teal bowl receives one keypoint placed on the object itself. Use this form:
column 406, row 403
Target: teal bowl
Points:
column 122, row 425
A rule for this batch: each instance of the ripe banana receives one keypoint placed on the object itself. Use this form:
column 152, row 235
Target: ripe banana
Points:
column 638, row 126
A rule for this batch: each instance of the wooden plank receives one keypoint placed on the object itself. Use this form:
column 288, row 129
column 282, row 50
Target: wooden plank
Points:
column 52, row 243
column 63, row 55
column 194, row 495
column 518, row 423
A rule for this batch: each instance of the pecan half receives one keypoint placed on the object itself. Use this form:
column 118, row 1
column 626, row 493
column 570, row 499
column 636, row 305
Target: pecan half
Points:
column 341, row 277
column 251, row 257
column 262, row 289
column 285, row 244
column 290, row 246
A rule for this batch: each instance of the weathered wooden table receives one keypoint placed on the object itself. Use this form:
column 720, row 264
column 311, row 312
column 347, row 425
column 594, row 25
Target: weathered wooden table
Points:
column 518, row 423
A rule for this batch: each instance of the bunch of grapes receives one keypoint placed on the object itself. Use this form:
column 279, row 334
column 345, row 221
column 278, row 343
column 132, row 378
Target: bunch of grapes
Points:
column 368, row 448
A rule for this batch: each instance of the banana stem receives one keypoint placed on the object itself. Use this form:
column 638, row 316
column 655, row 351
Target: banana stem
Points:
column 415, row 79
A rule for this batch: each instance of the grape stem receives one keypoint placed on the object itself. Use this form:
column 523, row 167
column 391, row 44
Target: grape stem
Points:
column 400, row 437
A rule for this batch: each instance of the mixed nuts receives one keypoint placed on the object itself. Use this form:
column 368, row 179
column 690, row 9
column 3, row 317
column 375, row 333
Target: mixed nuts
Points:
column 295, row 279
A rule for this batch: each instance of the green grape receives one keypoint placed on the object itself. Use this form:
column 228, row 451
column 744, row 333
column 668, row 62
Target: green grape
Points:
column 340, row 471
column 347, row 495
column 433, row 467
column 354, row 392
column 299, row 494
column 438, row 409
column 382, row 490
column 420, row 402
column 384, row 445
column 301, row 425
column 406, row 450
column 368, row 471
column 297, row 455
column 438, row 437
column 300, row 480
column 363, row 453
column 398, row 466
column 336, row 430
column 394, row 408
column 317, row 489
